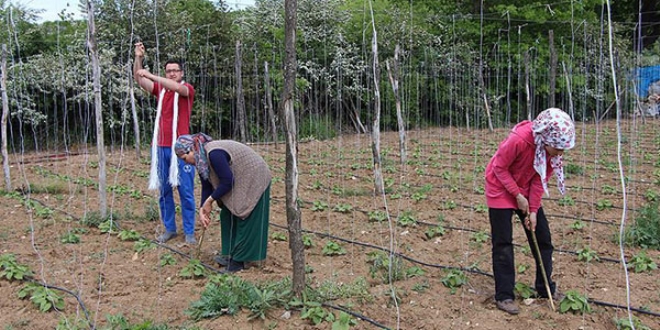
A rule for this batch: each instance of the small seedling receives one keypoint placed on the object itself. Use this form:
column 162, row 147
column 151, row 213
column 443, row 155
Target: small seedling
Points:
column 167, row 259
column 523, row 290
column 377, row 216
column 70, row 238
column 333, row 249
column 142, row 245
column 319, row 206
column 436, row 231
column 279, row 236
column 10, row 269
column 575, row 303
column 587, row 255
column 308, row 242
column 641, row 262
column 454, row 280
column 406, row 218
column 578, row 225
column 44, row 298
column 624, row 324
column 343, row 208
column 194, row 268
column 128, row 235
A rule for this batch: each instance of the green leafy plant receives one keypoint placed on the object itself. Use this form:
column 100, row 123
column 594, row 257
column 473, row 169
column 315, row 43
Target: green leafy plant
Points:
column 333, row 249
column 480, row 237
column 343, row 208
column 641, row 262
column 578, row 225
column 418, row 196
column 308, row 241
column 414, row 271
column 481, row 208
column 625, row 324
column 109, row 227
column 385, row 267
column 194, row 268
column 377, row 216
column 522, row 268
column 44, row 298
column 70, row 238
column 450, row 205
column 603, row 204
column 523, row 290
column 128, row 235
column 454, row 279
column 566, row 200
column 575, row 303
column 343, row 322
column 314, row 313
column 10, row 269
column 167, row 259
column 436, row 231
column 406, row 218
column 608, row 190
column 645, row 231
column 652, row 196
column 319, row 206
column 142, row 245
column 279, row 236
column 586, row 254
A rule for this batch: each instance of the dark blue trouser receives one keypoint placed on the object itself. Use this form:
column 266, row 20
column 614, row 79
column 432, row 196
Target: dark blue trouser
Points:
column 186, row 193
column 501, row 228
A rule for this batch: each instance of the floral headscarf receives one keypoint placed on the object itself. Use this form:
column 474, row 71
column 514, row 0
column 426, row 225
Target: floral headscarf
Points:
column 186, row 143
column 553, row 127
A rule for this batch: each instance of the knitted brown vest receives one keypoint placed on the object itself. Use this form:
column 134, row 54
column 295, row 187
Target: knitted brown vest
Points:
column 251, row 176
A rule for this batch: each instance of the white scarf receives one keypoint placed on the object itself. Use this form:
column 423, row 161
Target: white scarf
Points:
column 154, row 180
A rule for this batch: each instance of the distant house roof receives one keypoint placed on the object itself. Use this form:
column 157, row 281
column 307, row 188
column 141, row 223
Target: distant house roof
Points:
column 645, row 77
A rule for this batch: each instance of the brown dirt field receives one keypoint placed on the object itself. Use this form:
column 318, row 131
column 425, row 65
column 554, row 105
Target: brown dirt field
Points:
column 442, row 179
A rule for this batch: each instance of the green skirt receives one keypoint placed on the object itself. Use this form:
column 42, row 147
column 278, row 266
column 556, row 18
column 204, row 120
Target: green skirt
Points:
column 246, row 239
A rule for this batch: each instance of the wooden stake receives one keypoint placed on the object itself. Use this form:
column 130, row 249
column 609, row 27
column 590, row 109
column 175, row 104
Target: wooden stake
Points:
column 545, row 277
column 199, row 245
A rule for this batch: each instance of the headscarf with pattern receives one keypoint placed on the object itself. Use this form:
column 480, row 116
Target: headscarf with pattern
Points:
column 553, row 127
column 195, row 143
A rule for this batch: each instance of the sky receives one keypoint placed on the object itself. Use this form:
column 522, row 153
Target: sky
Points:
column 53, row 7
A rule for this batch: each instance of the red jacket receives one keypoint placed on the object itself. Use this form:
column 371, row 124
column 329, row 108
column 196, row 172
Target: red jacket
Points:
column 167, row 115
column 511, row 171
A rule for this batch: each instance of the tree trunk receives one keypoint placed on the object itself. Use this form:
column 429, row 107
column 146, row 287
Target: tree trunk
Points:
column 394, row 80
column 553, row 69
column 292, row 208
column 5, row 115
column 240, row 98
column 100, row 146
column 375, row 130
column 269, row 103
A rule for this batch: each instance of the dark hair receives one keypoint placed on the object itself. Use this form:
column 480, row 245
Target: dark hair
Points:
column 178, row 62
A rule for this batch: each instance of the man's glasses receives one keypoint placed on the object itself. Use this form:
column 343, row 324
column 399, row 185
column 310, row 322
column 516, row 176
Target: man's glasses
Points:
column 172, row 71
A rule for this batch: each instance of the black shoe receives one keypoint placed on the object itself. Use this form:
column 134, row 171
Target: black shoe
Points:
column 221, row 260
column 234, row 266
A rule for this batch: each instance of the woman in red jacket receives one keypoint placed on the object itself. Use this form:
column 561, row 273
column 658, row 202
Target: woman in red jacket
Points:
column 516, row 178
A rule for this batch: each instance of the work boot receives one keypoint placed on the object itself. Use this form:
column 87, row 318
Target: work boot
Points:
column 190, row 239
column 221, row 260
column 168, row 235
column 233, row 267
column 509, row 306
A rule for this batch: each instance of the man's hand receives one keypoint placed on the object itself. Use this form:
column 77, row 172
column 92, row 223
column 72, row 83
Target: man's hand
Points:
column 144, row 73
column 530, row 221
column 523, row 204
column 139, row 50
